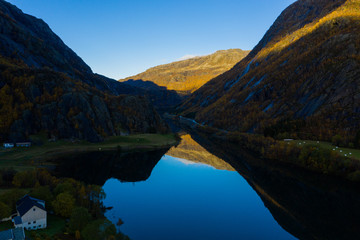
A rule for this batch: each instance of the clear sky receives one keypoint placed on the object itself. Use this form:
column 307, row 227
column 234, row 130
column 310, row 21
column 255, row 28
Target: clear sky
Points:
column 120, row 38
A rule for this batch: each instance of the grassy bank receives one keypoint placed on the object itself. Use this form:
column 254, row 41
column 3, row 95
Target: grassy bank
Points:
column 315, row 156
column 346, row 152
column 55, row 225
column 28, row 158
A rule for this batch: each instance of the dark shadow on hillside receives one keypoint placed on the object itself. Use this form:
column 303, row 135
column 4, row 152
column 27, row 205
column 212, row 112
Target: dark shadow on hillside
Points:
column 307, row 205
column 97, row 167
column 162, row 98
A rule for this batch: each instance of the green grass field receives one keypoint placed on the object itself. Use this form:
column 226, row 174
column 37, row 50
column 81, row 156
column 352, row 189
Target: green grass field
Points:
column 6, row 225
column 348, row 152
column 55, row 225
column 27, row 158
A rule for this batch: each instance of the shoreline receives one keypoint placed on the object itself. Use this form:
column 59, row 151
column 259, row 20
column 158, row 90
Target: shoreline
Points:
column 311, row 157
column 32, row 157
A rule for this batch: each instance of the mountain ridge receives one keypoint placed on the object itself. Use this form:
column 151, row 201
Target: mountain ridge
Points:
column 188, row 75
column 287, row 78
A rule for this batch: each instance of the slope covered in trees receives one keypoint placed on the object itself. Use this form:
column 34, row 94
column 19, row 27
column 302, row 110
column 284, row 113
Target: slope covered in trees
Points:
column 45, row 86
column 301, row 80
column 189, row 75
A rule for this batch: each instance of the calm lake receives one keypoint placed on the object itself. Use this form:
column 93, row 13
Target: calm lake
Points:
column 186, row 200
column 189, row 193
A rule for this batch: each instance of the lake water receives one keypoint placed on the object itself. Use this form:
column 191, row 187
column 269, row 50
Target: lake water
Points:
column 215, row 190
column 185, row 200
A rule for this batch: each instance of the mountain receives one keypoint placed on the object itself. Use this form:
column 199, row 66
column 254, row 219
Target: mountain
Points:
column 45, row 86
column 301, row 80
column 188, row 75
column 190, row 150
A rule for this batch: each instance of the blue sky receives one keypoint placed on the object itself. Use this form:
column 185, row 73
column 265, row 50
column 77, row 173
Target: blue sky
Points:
column 120, row 38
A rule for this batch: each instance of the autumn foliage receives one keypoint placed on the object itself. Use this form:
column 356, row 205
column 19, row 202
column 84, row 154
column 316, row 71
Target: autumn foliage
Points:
column 304, row 74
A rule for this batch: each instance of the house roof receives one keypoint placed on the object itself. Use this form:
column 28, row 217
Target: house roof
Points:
column 27, row 202
column 17, row 220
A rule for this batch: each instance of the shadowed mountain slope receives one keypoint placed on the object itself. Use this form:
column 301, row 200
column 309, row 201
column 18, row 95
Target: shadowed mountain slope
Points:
column 301, row 80
column 45, row 86
column 188, row 75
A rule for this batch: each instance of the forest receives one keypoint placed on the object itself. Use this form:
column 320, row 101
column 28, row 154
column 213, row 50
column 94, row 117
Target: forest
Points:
column 75, row 210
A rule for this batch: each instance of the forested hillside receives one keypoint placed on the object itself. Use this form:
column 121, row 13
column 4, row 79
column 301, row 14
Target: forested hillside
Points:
column 45, row 86
column 301, row 81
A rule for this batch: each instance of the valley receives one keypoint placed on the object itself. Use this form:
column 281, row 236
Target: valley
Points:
column 236, row 144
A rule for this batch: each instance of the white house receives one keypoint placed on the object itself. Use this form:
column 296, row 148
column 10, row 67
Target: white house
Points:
column 8, row 145
column 23, row 144
column 31, row 212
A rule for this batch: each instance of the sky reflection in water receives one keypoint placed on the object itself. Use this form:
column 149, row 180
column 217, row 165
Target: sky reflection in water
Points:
column 190, row 201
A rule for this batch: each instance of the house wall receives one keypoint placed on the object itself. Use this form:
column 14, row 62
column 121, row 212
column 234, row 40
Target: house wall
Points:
column 39, row 216
column 40, row 223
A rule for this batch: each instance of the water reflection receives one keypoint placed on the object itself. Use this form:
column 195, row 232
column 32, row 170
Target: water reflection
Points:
column 191, row 151
column 97, row 167
column 178, row 200
column 308, row 205
column 181, row 201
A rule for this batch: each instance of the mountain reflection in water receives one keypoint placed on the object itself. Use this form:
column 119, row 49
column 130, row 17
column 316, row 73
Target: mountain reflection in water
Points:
column 306, row 205
column 192, row 151
column 97, row 167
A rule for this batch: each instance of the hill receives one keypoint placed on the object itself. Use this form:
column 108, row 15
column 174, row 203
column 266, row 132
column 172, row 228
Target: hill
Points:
column 45, row 86
column 188, row 75
column 301, row 81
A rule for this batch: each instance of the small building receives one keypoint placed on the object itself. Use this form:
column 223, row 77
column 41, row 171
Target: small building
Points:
column 31, row 213
column 8, row 145
column 288, row 140
column 23, row 144
column 13, row 234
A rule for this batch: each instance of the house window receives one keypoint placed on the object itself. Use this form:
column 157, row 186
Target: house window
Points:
column 29, row 223
column 34, row 221
column 34, row 209
column 34, row 227
column 39, row 226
